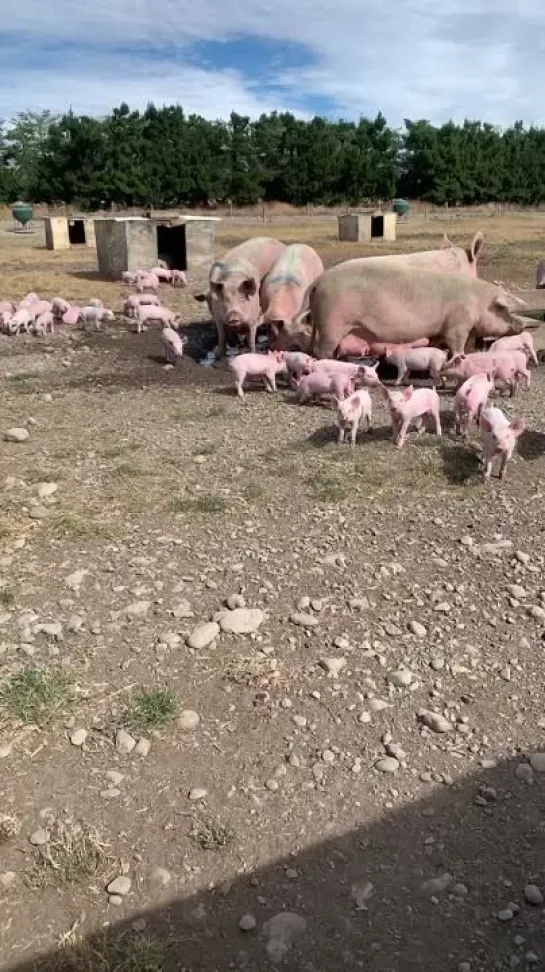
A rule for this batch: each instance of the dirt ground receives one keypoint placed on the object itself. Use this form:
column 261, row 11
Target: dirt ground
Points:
column 368, row 763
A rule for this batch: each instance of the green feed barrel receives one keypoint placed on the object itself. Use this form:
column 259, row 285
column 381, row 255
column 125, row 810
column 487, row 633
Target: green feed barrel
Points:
column 401, row 207
column 22, row 212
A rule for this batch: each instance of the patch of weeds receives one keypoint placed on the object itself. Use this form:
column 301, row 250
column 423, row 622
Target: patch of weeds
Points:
column 10, row 827
column 206, row 503
column 34, row 696
column 71, row 854
column 211, row 834
column 131, row 470
column 7, row 596
column 23, row 377
column 207, row 449
column 148, row 710
column 327, row 488
column 131, row 953
column 253, row 491
column 247, row 669
column 77, row 528
column 217, row 411
column 140, row 953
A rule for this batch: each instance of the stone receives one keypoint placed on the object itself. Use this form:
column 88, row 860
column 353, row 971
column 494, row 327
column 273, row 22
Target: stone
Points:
column 197, row 793
column 16, row 435
column 7, row 879
column 418, row 629
column 188, row 720
column 39, row 837
column 111, row 793
column 523, row 558
column 537, row 762
column 516, row 591
column 388, row 764
column 120, row 885
column 299, row 720
column 303, row 620
column 142, row 747
column 247, row 923
column 524, row 773
column 53, row 629
column 235, row 601
column 437, row 885
column 74, row 580
column 5, row 750
column 160, row 876
column 333, row 666
column 282, row 931
column 533, row 895
column 402, row 678
column 435, row 721
column 183, row 610
column 74, row 623
column 138, row 609
column 38, row 512
column 116, row 900
column 377, row 705
column 242, row 620
column 124, row 742
column 45, row 490
column 114, row 777
column 536, row 612
column 203, row 635
column 506, row 914
column 78, row 737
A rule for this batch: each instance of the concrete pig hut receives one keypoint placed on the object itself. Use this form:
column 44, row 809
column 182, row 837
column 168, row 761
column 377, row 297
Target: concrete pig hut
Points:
column 365, row 227
column 63, row 232
column 137, row 242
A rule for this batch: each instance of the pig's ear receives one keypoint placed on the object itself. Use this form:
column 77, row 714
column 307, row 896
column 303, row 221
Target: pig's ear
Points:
column 200, row 297
column 507, row 301
column 486, row 424
column 445, row 242
column 248, row 287
column 517, row 426
column 408, row 392
column 475, row 247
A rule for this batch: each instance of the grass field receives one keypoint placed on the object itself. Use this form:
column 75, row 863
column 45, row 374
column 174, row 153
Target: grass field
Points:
column 218, row 778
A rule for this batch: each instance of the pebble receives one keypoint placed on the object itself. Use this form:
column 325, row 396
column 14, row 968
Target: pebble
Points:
column 299, row 720
column 435, row 722
column 438, row 885
column 114, row 777
column 188, row 720
column 272, row 785
column 536, row 612
column 533, row 894
column 7, row 879
column 515, row 590
column 242, row 620
column 39, row 837
column 5, row 750
column 247, row 923
column 74, row 623
column 142, row 747
column 47, row 489
column 183, row 610
column 74, row 580
column 524, row 773
column 111, row 793
column 120, row 885
column 388, row 764
column 197, row 793
column 537, row 762
column 124, row 742
column 377, row 705
column 418, row 629
column 402, row 678
column 53, row 629
column 364, row 717
column 161, row 876
column 116, row 900
column 16, row 435
column 282, row 931
column 38, row 512
column 523, row 558
column 303, row 620
column 333, row 666
column 235, row 601
column 203, row 635
column 506, row 914
column 78, row 737
column 138, row 609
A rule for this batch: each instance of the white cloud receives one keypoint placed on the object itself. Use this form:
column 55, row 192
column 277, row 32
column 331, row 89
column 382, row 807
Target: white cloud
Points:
column 409, row 58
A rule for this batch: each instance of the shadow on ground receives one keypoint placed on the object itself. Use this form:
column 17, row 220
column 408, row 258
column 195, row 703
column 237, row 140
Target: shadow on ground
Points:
column 363, row 895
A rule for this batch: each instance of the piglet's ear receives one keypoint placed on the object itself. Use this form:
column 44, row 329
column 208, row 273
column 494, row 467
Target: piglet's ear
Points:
column 486, row 424
column 517, row 426
column 408, row 392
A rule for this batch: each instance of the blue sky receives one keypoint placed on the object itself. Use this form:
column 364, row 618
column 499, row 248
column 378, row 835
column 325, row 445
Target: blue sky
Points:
column 435, row 59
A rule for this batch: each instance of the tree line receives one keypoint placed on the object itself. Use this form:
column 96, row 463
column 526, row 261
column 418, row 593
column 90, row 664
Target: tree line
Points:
column 163, row 158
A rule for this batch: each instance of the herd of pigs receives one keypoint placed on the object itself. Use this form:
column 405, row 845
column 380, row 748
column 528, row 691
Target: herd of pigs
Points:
column 417, row 311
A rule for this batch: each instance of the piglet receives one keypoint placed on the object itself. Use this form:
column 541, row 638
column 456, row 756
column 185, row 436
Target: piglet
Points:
column 44, row 323
column 499, row 438
column 296, row 362
column 71, row 316
column 59, row 306
column 28, row 300
column 178, row 278
column 8, row 306
column 381, row 348
column 321, row 382
column 264, row 366
column 95, row 302
column 367, row 376
column 5, row 318
column 147, row 281
column 39, row 307
column 162, row 273
column 173, row 343
column 411, row 406
column 20, row 321
column 350, row 412
column 516, row 342
column 153, row 313
column 469, row 401
column 509, row 368
column 95, row 315
column 417, row 359
column 130, row 277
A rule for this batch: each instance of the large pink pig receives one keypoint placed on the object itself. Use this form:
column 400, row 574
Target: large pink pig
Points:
column 284, row 288
column 234, row 288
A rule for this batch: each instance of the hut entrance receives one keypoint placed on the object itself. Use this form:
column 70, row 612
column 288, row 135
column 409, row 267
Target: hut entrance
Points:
column 76, row 232
column 377, row 226
column 171, row 246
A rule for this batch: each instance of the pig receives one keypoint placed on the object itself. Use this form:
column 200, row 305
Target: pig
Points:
column 505, row 366
column 296, row 363
column 462, row 366
column 44, row 323
column 367, row 376
column 350, row 412
column 173, row 343
column 28, row 300
column 285, row 286
column 335, row 384
column 397, row 304
column 178, row 278
column 152, row 313
column 499, row 438
column 540, row 275
column 517, row 342
column 332, row 365
column 7, row 305
column 469, row 401
column 417, row 359
column 162, row 273
column 380, row 350
column 95, row 302
column 5, row 318
column 19, row 321
column 510, row 368
column 264, row 366
column 234, row 290
column 59, row 306
column 147, row 281
column 72, row 315
column 130, row 277
column 95, row 315
column 132, row 303
column 411, row 406
column 39, row 307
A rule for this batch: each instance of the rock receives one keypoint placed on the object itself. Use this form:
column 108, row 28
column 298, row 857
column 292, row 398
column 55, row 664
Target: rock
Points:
column 5, row 750
column 188, row 720
column 303, row 620
column 39, row 837
column 183, row 610
column 524, row 773
column 523, row 558
column 333, row 666
column 235, row 601
column 442, row 608
column 197, row 793
column 124, row 742
column 74, row 581
column 537, row 762
column 45, row 490
column 364, row 717
column 7, row 879
column 138, row 609
column 437, row 885
column 418, row 629
column 515, row 590
column 74, row 623
column 203, row 635
column 272, row 785
column 114, row 777
column 359, row 603
column 402, row 678
column 282, row 931
column 388, row 764
column 116, row 900
column 53, row 629
column 242, row 620
column 247, row 923
column 536, row 612
column 142, row 747
column 435, row 722
column 533, row 894
column 38, row 512
column 78, row 737
column 299, row 720
column 160, row 876
column 120, row 885
column 506, row 914
column 111, row 793
column 16, row 435
column 377, row 705
column 360, row 894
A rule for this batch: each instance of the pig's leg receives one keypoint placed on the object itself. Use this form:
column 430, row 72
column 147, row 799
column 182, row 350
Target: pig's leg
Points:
column 487, row 467
column 437, row 420
column 340, row 436
column 252, row 330
column 402, row 433
column 354, row 431
column 239, row 384
column 457, row 329
column 402, row 371
column 325, row 345
column 504, row 459
column 220, row 328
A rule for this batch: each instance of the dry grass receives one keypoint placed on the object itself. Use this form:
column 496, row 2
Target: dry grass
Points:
column 72, row 853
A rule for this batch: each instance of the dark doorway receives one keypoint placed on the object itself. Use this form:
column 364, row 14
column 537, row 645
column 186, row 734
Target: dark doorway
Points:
column 377, row 226
column 76, row 232
column 171, row 246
